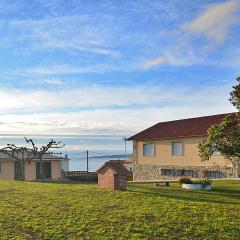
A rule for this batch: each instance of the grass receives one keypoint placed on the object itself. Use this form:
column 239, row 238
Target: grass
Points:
column 81, row 211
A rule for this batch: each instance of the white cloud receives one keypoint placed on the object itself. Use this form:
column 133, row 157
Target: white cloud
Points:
column 57, row 82
column 215, row 21
column 66, row 69
column 154, row 104
column 87, row 96
column 76, row 33
column 169, row 59
column 102, row 121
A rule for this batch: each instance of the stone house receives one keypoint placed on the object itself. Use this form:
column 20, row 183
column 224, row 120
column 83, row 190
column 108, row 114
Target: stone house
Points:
column 169, row 150
column 30, row 169
column 113, row 175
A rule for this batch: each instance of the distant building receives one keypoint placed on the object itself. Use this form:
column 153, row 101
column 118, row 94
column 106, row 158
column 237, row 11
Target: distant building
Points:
column 128, row 163
column 169, row 150
column 113, row 175
column 53, row 168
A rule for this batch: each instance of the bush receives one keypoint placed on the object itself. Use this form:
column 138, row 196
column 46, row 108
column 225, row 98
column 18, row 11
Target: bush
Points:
column 203, row 182
column 185, row 180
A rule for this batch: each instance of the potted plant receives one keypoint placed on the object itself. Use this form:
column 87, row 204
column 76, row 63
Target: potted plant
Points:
column 188, row 183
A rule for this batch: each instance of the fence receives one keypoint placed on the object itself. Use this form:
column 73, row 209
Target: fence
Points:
column 81, row 176
column 130, row 176
column 87, row 176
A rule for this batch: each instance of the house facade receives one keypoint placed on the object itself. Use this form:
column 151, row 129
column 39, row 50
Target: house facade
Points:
column 169, row 150
column 30, row 169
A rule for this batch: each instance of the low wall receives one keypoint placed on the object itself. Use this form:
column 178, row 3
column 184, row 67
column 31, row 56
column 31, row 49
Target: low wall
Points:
column 172, row 172
column 82, row 176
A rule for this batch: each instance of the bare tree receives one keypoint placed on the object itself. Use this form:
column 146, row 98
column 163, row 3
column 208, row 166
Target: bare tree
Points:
column 20, row 155
column 39, row 152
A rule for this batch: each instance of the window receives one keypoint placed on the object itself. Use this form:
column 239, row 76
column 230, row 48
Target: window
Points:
column 169, row 172
column 177, row 149
column 188, row 173
column 213, row 174
column 178, row 173
column 149, row 149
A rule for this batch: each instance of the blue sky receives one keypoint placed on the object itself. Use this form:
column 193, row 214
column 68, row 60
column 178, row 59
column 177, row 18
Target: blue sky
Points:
column 114, row 67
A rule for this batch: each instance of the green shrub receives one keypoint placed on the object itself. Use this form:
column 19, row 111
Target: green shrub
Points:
column 203, row 182
column 186, row 180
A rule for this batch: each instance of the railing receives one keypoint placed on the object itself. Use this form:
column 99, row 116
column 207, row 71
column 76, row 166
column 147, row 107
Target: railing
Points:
column 81, row 176
column 130, row 176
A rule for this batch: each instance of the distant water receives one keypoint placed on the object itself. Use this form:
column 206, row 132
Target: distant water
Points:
column 101, row 148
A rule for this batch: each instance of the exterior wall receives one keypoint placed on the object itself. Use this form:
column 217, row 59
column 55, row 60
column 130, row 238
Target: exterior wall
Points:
column 30, row 170
column 120, row 182
column 7, row 170
column 106, row 179
column 149, row 167
column 56, row 169
column 164, row 156
column 65, row 165
column 156, row 172
column 135, row 151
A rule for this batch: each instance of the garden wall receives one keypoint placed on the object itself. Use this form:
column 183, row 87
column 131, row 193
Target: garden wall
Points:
column 171, row 172
column 82, row 176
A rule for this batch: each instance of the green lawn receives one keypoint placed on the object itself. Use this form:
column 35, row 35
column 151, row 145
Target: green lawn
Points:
column 81, row 211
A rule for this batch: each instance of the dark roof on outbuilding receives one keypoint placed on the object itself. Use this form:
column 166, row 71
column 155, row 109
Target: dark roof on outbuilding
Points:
column 116, row 165
column 179, row 128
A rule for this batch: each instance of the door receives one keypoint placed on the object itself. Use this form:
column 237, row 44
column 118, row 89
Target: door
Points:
column 47, row 168
column 19, row 170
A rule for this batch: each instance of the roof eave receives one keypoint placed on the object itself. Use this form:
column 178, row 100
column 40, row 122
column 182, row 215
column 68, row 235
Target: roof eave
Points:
column 150, row 139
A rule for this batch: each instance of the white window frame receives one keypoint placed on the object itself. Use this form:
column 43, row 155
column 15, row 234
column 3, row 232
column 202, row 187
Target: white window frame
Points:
column 154, row 150
column 173, row 154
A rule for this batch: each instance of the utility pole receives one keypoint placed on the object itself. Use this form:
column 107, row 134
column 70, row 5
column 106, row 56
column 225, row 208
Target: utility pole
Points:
column 87, row 160
column 125, row 144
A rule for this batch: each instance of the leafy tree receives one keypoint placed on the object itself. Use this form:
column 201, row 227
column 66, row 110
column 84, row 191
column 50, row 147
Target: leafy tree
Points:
column 225, row 137
column 235, row 95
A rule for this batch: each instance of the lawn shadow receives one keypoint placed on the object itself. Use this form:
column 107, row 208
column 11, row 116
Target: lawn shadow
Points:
column 227, row 191
column 66, row 182
column 189, row 195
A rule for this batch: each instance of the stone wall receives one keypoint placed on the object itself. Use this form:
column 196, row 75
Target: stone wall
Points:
column 158, row 172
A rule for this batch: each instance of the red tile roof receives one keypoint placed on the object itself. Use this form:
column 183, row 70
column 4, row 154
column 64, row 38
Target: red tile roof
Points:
column 116, row 165
column 179, row 128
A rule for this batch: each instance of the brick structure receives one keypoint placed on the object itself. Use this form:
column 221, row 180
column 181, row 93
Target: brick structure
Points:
column 112, row 175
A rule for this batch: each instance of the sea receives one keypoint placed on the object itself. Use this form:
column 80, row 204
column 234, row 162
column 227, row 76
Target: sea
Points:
column 101, row 148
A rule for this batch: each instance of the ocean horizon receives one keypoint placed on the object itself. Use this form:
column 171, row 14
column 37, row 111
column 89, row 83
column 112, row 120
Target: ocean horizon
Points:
column 101, row 148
